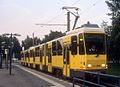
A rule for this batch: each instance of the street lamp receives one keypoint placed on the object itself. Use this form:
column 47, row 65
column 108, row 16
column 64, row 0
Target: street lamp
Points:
column 11, row 46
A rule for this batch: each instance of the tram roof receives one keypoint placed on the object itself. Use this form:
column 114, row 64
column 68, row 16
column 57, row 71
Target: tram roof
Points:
column 86, row 30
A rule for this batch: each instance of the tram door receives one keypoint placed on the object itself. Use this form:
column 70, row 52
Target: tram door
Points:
column 66, row 60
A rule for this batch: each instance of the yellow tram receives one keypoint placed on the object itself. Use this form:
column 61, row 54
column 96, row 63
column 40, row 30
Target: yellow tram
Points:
column 81, row 49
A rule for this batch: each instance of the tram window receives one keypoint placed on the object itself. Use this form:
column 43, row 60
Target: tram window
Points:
column 37, row 52
column 28, row 56
column 95, row 43
column 47, row 50
column 25, row 56
column 74, row 45
column 41, row 54
column 59, row 48
column 54, row 48
column 68, row 57
column 49, row 56
column 81, row 44
column 43, row 50
column 31, row 55
column 22, row 55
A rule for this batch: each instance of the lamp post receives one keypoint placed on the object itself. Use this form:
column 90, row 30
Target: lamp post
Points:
column 11, row 48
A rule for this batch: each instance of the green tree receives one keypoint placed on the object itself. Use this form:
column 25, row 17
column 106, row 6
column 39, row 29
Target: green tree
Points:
column 28, row 42
column 107, row 28
column 114, row 6
column 37, row 41
column 52, row 35
column 16, row 48
column 7, row 43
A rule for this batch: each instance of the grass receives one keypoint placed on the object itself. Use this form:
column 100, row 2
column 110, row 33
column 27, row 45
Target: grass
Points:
column 114, row 69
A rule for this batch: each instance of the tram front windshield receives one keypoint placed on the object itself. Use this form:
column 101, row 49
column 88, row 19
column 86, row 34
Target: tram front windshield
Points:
column 95, row 43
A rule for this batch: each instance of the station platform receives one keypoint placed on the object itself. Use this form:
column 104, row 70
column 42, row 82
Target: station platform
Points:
column 20, row 78
column 26, row 77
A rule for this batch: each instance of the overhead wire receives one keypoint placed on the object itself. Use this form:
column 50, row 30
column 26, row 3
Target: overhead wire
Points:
column 62, row 12
column 52, row 19
column 87, row 9
column 72, row 5
column 49, row 21
column 90, row 7
column 75, row 2
column 58, row 15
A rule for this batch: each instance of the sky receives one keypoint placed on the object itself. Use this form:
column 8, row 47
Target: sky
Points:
column 21, row 16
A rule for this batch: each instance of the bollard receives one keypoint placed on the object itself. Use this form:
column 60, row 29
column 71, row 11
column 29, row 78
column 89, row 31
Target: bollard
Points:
column 73, row 82
column 84, row 79
column 119, row 82
column 98, row 77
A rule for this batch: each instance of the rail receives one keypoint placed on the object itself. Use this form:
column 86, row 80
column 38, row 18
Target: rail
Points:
column 100, row 80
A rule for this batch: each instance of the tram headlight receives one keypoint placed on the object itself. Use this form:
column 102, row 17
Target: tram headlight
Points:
column 106, row 66
column 89, row 65
column 103, row 65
